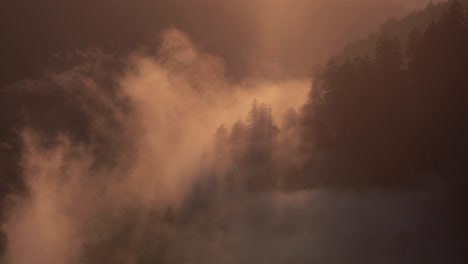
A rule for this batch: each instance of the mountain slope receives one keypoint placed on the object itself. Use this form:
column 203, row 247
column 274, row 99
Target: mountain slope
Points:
column 399, row 28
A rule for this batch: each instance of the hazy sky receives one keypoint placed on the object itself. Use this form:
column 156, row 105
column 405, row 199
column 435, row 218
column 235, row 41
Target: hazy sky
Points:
column 272, row 37
column 415, row 3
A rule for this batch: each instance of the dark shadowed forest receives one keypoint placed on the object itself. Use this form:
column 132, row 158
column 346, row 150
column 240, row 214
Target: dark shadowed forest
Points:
column 234, row 132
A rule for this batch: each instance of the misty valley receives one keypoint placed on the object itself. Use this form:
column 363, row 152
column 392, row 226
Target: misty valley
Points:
column 234, row 132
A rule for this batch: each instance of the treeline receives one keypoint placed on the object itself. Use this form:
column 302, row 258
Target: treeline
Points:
column 245, row 152
column 403, row 112
column 390, row 120
column 399, row 28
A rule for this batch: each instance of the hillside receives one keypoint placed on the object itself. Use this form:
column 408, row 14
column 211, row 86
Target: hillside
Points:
column 399, row 28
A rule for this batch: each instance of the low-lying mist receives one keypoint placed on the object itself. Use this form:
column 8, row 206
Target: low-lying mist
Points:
column 147, row 185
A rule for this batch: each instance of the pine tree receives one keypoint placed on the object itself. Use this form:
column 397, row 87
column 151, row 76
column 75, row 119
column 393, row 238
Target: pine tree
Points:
column 221, row 140
column 388, row 56
column 453, row 19
column 413, row 44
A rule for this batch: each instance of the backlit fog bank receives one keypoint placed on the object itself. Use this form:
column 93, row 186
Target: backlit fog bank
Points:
column 148, row 184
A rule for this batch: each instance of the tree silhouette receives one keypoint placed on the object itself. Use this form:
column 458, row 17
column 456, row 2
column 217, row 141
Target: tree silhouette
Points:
column 382, row 119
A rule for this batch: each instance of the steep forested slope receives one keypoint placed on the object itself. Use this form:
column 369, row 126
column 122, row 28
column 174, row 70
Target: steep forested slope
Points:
column 400, row 28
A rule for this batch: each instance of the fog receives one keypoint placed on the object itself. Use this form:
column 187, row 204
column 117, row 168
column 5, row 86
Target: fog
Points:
column 153, row 201
column 177, row 99
column 134, row 173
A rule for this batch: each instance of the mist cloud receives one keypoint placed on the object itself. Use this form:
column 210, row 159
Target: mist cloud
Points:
column 160, row 120
column 152, row 200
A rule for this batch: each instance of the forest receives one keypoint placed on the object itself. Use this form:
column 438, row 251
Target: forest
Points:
column 389, row 118
column 170, row 154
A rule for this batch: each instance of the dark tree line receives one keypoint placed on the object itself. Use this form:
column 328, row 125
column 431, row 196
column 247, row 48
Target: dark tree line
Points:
column 399, row 28
column 247, row 150
column 400, row 113
column 394, row 118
